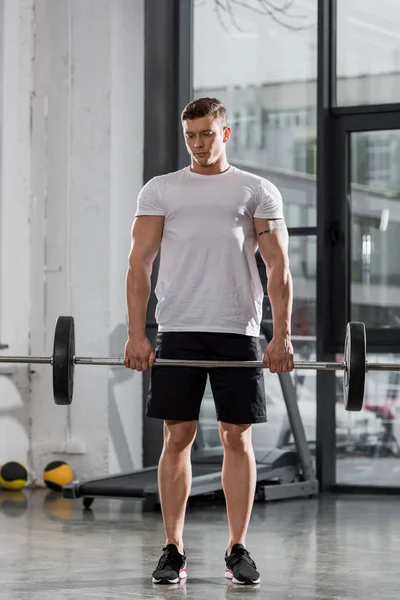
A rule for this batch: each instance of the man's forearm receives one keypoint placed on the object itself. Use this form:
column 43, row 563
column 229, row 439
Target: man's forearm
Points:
column 280, row 293
column 138, row 289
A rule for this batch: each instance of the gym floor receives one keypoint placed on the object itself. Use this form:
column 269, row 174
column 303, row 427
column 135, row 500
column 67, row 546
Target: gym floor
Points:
column 331, row 548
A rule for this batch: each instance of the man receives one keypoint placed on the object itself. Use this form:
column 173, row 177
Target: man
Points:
column 208, row 220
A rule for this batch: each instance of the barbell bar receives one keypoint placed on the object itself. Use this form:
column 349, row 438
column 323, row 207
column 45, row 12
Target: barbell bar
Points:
column 64, row 360
column 173, row 362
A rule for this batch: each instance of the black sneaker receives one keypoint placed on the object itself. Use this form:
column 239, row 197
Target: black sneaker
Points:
column 171, row 567
column 240, row 568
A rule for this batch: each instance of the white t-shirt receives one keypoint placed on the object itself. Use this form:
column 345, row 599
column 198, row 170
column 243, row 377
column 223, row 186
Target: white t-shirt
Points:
column 208, row 278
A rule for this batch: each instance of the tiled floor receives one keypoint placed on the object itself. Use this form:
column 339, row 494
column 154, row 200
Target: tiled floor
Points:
column 331, row 549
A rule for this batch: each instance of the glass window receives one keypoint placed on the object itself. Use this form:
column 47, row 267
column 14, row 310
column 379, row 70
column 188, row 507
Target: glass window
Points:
column 375, row 222
column 368, row 52
column 270, row 101
column 368, row 442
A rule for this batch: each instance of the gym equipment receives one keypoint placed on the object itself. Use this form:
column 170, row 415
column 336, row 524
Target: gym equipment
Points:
column 283, row 471
column 13, row 476
column 56, row 474
column 64, row 361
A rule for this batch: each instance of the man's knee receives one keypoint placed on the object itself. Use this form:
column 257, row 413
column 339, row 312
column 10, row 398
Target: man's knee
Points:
column 236, row 438
column 179, row 435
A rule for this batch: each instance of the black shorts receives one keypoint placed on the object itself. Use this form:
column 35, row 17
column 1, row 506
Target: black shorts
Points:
column 176, row 392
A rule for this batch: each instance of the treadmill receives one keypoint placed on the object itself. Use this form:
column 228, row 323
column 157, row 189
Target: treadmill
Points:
column 282, row 472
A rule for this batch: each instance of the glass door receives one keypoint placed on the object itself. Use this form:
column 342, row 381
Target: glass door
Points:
column 368, row 442
column 375, row 228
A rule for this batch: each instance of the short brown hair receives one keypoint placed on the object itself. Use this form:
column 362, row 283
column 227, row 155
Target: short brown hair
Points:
column 204, row 107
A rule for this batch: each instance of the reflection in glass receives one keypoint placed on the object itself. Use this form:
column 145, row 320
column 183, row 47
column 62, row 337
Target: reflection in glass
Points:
column 368, row 52
column 375, row 228
column 368, row 442
column 271, row 102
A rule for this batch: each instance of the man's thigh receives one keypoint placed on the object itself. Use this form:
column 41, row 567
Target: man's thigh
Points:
column 239, row 393
column 176, row 392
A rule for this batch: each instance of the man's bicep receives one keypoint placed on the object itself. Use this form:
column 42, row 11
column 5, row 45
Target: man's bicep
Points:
column 273, row 241
column 147, row 231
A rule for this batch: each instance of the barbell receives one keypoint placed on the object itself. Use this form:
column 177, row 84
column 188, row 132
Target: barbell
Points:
column 64, row 360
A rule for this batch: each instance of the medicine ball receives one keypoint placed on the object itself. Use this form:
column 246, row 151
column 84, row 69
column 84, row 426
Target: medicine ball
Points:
column 57, row 474
column 13, row 476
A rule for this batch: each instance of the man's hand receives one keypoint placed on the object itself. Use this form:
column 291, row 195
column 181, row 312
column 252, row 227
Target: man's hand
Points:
column 278, row 356
column 139, row 354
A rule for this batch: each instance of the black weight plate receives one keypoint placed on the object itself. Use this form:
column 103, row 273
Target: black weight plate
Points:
column 355, row 356
column 63, row 360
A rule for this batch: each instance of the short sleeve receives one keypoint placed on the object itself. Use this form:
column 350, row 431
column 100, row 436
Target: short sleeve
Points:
column 149, row 201
column 269, row 204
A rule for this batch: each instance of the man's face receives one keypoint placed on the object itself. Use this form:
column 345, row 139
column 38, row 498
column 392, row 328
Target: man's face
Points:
column 205, row 139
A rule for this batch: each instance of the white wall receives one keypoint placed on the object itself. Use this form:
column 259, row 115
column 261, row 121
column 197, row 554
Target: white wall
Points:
column 127, row 126
column 68, row 202
column 17, row 42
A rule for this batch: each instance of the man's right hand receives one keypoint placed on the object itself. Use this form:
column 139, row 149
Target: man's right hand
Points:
column 139, row 354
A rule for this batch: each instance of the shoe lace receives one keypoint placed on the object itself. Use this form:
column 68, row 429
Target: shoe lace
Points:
column 241, row 554
column 169, row 558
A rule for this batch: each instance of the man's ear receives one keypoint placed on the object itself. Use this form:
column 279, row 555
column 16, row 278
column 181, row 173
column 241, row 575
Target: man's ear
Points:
column 227, row 133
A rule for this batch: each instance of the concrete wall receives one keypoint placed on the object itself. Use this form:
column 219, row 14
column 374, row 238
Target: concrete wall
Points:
column 72, row 145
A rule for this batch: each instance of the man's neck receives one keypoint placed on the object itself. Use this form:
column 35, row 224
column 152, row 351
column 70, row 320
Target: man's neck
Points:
column 215, row 169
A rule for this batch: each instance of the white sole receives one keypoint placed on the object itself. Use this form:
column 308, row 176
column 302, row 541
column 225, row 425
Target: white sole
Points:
column 165, row 581
column 229, row 575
